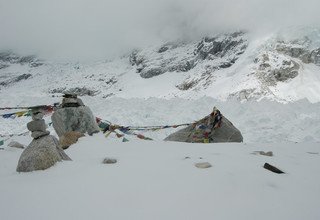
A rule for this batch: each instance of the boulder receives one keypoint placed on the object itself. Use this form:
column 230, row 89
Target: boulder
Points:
column 41, row 154
column 69, row 138
column 78, row 119
column 214, row 128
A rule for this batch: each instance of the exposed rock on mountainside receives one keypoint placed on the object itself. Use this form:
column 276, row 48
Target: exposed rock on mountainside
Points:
column 14, row 79
column 8, row 57
column 283, row 66
column 80, row 91
column 223, row 49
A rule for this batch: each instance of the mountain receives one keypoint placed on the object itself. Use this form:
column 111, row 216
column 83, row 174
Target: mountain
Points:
column 282, row 66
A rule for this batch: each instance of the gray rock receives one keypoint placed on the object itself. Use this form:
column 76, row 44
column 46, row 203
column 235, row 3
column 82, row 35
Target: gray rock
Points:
column 227, row 132
column 78, row 119
column 315, row 56
column 38, row 134
column 41, row 154
column 203, row 165
column 109, row 160
column 37, row 116
column 16, row 144
column 15, row 79
column 268, row 154
column 151, row 72
column 37, row 125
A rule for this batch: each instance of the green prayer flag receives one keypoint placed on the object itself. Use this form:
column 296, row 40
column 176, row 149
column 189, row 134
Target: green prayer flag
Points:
column 1, row 142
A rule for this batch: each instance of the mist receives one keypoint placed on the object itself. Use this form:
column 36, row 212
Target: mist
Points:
column 100, row 29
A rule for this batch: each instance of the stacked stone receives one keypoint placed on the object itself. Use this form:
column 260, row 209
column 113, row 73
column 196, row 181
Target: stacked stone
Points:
column 37, row 126
column 44, row 150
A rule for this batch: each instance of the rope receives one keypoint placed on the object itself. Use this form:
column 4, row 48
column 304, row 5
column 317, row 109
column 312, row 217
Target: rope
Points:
column 108, row 127
column 31, row 107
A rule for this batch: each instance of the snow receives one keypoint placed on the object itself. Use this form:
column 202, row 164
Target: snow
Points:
column 159, row 180
column 156, row 180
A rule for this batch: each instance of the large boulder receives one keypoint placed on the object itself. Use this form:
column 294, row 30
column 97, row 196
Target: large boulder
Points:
column 214, row 128
column 78, row 119
column 41, row 154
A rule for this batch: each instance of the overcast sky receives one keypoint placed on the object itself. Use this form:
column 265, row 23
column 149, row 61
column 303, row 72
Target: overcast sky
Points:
column 99, row 28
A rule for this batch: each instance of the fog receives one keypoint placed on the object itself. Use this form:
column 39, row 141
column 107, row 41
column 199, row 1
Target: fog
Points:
column 99, row 29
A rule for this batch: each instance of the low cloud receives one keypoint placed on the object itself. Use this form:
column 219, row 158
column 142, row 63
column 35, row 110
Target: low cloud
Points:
column 98, row 29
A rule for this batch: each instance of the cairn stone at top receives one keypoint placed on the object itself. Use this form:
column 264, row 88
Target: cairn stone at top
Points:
column 37, row 126
column 73, row 115
column 71, row 100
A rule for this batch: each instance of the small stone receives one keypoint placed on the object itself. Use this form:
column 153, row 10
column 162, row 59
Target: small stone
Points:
column 203, row 165
column 37, row 134
column 269, row 153
column 109, row 160
column 16, row 144
column 37, row 115
column 272, row 168
column 313, row 152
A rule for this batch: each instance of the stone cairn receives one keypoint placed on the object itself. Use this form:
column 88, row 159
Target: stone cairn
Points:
column 37, row 126
column 44, row 150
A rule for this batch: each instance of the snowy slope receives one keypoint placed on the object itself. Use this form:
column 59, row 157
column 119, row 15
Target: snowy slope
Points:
column 226, row 66
column 157, row 180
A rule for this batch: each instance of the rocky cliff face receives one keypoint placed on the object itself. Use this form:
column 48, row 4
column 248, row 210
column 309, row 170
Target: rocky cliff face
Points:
column 9, row 74
column 222, row 49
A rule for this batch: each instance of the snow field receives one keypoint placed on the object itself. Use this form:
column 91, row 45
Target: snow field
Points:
column 155, row 180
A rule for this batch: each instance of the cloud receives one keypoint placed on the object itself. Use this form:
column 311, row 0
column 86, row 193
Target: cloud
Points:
column 97, row 29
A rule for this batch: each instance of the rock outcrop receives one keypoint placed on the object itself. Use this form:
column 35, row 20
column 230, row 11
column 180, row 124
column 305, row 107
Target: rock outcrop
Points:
column 223, row 49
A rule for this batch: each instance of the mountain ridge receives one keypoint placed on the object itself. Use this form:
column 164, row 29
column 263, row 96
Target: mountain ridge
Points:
column 223, row 66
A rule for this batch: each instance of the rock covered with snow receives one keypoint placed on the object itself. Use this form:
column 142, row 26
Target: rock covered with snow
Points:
column 210, row 129
column 74, row 116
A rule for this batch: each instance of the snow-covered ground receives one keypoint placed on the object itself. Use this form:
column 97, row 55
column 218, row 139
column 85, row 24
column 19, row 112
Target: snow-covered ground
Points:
column 158, row 180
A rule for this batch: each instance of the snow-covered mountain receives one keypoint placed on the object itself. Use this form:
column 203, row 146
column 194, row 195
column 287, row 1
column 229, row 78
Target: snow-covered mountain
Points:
column 164, row 85
column 283, row 66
